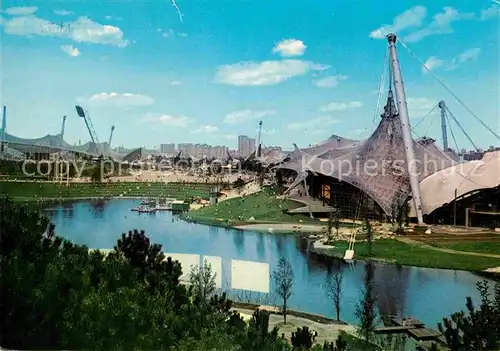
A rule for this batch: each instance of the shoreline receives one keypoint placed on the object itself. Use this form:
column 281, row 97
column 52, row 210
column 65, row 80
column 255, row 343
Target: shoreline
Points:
column 491, row 272
column 301, row 229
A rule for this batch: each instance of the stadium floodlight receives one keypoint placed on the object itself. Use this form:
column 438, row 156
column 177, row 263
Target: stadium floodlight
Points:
column 79, row 111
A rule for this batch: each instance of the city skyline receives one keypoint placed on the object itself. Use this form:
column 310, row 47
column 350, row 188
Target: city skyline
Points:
column 311, row 73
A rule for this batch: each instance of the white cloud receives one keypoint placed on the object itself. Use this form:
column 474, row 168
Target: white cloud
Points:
column 432, row 63
column 175, row 82
column 82, row 30
column 264, row 73
column 340, row 106
column 410, row 18
column 206, row 129
column 120, row 100
column 112, row 18
column 173, row 121
column 313, row 123
column 330, row 81
column 290, row 47
column 171, row 33
column 419, row 107
column 440, row 24
column 62, row 12
column 70, row 50
column 242, row 116
column 21, row 11
column 490, row 12
column 467, row 55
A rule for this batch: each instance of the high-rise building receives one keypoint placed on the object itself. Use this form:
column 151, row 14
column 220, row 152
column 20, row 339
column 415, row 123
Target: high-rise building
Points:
column 167, row 149
column 246, row 145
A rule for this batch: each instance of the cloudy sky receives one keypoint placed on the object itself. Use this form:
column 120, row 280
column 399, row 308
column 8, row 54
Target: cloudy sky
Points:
column 207, row 71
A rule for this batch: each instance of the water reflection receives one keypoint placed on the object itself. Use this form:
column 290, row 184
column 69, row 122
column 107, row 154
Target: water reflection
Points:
column 391, row 284
column 261, row 248
column 427, row 294
column 239, row 240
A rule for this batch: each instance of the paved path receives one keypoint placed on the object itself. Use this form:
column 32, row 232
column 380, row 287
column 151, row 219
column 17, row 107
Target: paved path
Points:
column 326, row 332
column 283, row 227
column 418, row 243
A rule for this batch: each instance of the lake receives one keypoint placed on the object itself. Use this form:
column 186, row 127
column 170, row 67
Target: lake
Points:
column 427, row 294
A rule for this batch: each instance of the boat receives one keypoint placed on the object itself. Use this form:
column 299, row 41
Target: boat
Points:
column 147, row 202
column 143, row 209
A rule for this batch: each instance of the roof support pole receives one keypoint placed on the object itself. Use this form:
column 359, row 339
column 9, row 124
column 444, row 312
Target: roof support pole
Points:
column 442, row 106
column 2, row 139
column 405, row 124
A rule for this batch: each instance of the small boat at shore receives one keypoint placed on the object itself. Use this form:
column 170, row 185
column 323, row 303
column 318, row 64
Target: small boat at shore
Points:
column 144, row 209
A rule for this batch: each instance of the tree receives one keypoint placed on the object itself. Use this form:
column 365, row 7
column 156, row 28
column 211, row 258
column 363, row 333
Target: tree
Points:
column 333, row 287
column 365, row 310
column 239, row 184
column 479, row 329
column 369, row 236
column 336, row 222
column 284, row 280
column 302, row 339
column 202, row 282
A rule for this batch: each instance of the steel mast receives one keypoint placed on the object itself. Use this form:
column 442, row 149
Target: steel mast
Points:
column 405, row 125
column 3, row 145
column 257, row 142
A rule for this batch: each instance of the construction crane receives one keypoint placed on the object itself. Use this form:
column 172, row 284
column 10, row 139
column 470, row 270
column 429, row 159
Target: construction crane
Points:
column 90, row 127
column 111, row 136
column 63, row 126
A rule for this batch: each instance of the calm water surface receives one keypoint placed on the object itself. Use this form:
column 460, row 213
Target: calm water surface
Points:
column 428, row 294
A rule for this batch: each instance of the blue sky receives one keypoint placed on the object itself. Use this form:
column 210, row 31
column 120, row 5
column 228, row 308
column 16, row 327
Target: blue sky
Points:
column 307, row 68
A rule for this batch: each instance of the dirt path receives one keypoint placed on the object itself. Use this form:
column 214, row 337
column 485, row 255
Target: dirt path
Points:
column 326, row 332
column 419, row 243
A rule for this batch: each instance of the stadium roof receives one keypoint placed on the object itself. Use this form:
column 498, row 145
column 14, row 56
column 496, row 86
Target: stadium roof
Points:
column 439, row 188
column 54, row 143
column 377, row 165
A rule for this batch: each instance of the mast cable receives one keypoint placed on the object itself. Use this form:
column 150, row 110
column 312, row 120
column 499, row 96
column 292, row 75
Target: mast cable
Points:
column 460, row 126
column 430, row 125
column 423, row 119
column 449, row 90
column 452, row 134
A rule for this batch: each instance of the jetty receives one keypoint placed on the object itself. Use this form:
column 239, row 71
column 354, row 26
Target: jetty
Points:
column 413, row 327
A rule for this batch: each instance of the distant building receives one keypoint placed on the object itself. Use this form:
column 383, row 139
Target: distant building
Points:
column 246, row 145
column 167, row 149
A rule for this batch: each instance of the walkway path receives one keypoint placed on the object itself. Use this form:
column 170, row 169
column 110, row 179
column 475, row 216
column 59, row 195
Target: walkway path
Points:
column 283, row 227
column 326, row 332
column 418, row 243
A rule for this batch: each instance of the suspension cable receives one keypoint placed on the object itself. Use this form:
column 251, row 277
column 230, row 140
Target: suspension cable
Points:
column 460, row 126
column 423, row 119
column 452, row 134
column 430, row 125
column 381, row 86
column 449, row 90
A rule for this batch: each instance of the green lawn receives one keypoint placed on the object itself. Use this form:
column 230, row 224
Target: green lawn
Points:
column 397, row 252
column 44, row 190
column 492, row 247
column 263, row 206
